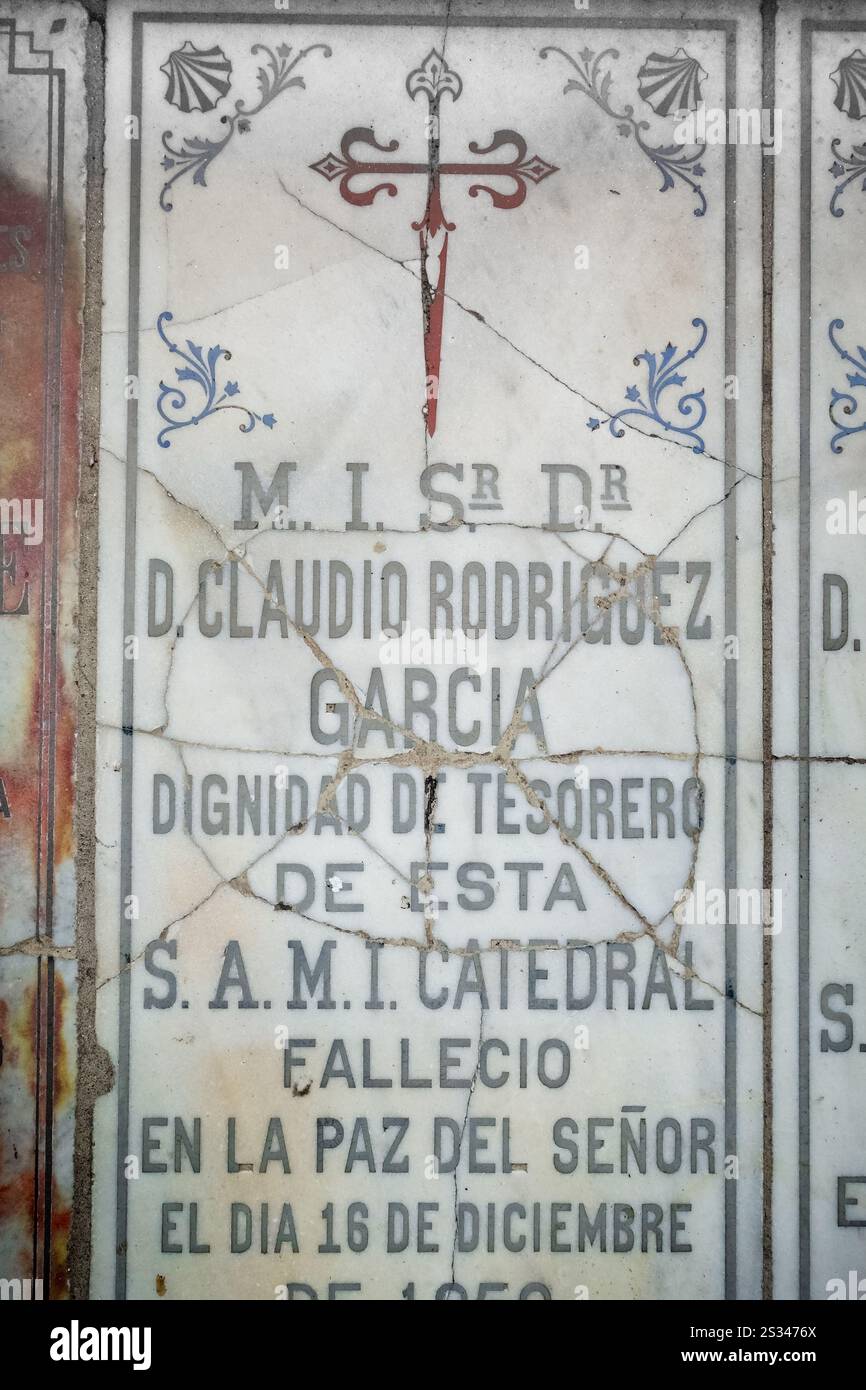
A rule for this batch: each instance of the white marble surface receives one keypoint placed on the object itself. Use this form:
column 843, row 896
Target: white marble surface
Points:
column 507, row 918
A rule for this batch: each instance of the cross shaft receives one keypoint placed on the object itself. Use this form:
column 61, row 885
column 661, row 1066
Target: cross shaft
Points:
column 435, row 79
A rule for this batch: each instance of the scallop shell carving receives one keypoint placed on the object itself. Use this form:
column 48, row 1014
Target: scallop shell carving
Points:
column 850, row 79
column 671, row 83
column 197, row 77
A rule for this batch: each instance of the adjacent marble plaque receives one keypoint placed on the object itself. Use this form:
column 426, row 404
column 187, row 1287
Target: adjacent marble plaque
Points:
column 820, row 1161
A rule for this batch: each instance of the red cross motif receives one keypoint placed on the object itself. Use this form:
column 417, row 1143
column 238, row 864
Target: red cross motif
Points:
column 435, row 79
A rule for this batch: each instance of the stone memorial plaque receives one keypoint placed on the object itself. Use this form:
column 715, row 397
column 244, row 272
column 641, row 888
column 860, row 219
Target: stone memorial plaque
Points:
column 432, row 783
column 430, row 661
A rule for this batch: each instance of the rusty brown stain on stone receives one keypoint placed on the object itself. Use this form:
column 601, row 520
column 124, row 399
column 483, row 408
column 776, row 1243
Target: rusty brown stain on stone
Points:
column 24, row 1176
column 36, row 1012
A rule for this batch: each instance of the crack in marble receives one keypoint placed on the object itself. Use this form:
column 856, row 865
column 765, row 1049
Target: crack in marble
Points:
column 408, row 266
column 472, row 1084
column 430, row 757
column 39, row 946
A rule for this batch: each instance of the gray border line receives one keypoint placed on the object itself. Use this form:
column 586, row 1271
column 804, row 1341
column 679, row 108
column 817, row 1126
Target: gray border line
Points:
column 127, row 717
column 803, row 745
column 54, row 348
column 730, row 795
column 729, row 28
column 768, row 191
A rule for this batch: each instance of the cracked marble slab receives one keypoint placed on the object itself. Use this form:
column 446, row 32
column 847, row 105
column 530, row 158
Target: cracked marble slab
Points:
column 430, row 655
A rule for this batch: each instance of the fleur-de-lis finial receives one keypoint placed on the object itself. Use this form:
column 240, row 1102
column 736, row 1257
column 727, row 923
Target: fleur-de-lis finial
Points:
column 435, row 78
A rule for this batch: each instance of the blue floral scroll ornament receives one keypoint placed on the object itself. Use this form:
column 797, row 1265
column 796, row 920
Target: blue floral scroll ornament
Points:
column 663, row 81
column 200, row 371
column 663, row 373
column 845, row 169
column 843, row 402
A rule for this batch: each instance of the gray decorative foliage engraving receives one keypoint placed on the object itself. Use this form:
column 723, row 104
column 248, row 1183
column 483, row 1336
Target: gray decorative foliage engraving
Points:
column 194, row 154
column 594, row 79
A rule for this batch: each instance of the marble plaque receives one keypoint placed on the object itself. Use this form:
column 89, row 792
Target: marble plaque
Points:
column 475, row 908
